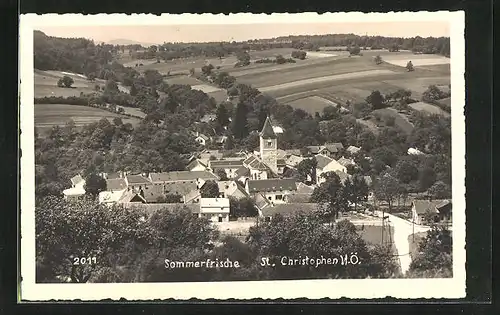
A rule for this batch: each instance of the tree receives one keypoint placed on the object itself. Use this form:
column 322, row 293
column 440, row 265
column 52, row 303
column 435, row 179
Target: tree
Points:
column 439, row 190
column 207, row 69
column 243, row 207
column 367, row 140
column 210, row 189
column 133, row 90
column 299, row 54
column 65, row 81
column 307, row 169
column 386, row 189
column 117, row 121
column 243, row 58
column 222, row 116
column 239, row 126
column 191, row 72
column 280, row 59
column 229, row 144
column 221, row 173
column 406, row 171
column 91, row 77
column 434, row 258
column 356, row 190
column 409, row 66
column 111, row 87
column 332, row 194
column 376, row 99
column 432, row 94
column 426, row 178
column 233, row 91
column 378, row 59
column 96, row 240
column 354, row 50
column 94, row 184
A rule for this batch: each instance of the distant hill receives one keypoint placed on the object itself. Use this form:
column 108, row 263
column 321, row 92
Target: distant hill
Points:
column 121, row 41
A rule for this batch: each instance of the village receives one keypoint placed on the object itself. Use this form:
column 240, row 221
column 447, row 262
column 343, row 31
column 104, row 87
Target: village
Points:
column 260, row 176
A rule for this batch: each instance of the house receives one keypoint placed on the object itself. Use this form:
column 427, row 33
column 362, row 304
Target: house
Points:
column 137, row 182
column 414, row 151
column 261, row 202
column 328, row 149
column 295, row 152
column 242, row 174
column 302, row 195
column 232, row 189
column 197, row 177
column 346, row 162
column 288, row 209
column 229, row 166
column 196, row 165
column 257, row 168
column 77, row 188
column 154, row 207
column 215, row 209
column 208, row 118
column 192, row 197
column 219, row 139
column 201, row 138
column 325, row 165
column 274, row 189
column 353, row 149
column 115, row 188
column 131, row 197
column 293, row 160
column 420, row 208
column 207, row 155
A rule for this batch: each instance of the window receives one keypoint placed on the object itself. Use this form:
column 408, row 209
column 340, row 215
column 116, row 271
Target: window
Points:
column 269, row 198
column 279, row 197
column 269, row 143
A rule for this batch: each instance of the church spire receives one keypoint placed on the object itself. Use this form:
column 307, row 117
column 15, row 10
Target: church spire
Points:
column 267, row 130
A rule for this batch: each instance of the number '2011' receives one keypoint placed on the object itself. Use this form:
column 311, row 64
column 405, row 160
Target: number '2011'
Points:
column 84, row 260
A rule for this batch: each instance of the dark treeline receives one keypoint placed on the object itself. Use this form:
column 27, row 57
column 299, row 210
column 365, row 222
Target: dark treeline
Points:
column 169, row 51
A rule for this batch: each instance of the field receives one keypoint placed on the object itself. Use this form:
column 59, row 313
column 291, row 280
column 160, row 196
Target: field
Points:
column 400, row 120
column 48, row 115
column 429, row 108
column 46, row 84
column 311, row 104
column 416, row 60
column 373, row 234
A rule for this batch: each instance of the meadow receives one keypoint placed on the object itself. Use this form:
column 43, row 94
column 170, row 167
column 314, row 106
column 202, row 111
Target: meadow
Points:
column 429, row 108
column 48, row 115
column 46, row 84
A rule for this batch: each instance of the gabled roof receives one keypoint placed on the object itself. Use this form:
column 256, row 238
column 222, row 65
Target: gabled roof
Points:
column 293, row 160
column 422, row 206
column 131, row 196
column 253, row 162
column 180, row 188
column 75, row 180
column 214, row 202
column 334, row 147
column 154, row 207
column 204, row 137
column 137, row 180
column 289, row 209
column 323, row 161
column 267, row 130
column 345, row 162
column 261, row 202
column 152, row 193
column 304, row 189
column 195, row 163
column 214, row 164
column 242, row 171
column 280, row 162
column 293, row 152
column 315, row 149
column 116, row 184
column 353, row 149
column 229, row 187
column 182, row 176
column 192, row 196
column 110, row 196
column 274, row 184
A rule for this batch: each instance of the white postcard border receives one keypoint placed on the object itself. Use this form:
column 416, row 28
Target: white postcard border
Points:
column 287, row 289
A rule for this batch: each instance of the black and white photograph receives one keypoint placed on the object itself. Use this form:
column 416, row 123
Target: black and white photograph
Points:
column 243, row 156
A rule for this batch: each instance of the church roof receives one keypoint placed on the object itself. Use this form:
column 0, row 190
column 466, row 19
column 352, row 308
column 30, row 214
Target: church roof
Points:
column 267, row 130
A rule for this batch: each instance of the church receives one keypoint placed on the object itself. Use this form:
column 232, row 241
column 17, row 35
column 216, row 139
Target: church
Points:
column 269, row 146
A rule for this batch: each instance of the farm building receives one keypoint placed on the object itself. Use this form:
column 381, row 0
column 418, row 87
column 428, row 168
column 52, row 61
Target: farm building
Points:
column 77, row 188
column 214, row 209
column 325, row 165
column 440, row 208
column 273, row 190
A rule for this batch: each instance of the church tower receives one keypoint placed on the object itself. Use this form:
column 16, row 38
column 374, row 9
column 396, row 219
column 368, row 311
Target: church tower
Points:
column 269, row 146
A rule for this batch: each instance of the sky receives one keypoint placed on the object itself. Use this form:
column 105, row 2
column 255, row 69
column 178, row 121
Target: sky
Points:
column 157, row 34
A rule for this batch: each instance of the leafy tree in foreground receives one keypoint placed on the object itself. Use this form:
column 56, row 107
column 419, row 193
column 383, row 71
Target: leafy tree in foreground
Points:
column 221, row 173
column 387, row 189
column 331, row 193
column 94, row 184
column 76, row 239
column 378, row 59
column 434, row 258
column 356, row 190
column 243, row 207
column 307, row 169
